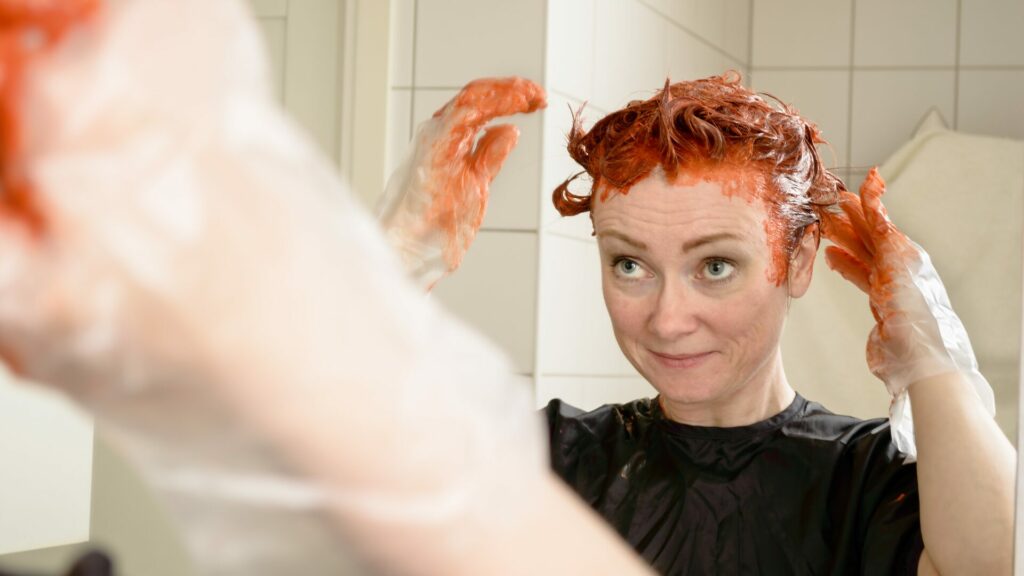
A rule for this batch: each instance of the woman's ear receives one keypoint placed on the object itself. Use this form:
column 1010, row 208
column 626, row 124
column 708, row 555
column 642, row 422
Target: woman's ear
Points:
column 801, row 263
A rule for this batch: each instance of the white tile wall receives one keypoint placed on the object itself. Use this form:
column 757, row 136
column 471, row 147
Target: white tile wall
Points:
column 399, row 126
column 736, row 19
column 569, row 67
column 992, row 102
column 557, row 165
column 513, row 194
column 576, row 335
column 578, row 227
column 723, row 25
column 990, row 33
column 687, row 57
column 823, row 97
column 888, row 105
column 495, row 290
column 403, row 31
column 457, row 41
column 629, row 53
column 905, row 33
column 801, row 33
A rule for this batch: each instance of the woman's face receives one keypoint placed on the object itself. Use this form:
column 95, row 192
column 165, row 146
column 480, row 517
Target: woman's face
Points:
column 686, row 270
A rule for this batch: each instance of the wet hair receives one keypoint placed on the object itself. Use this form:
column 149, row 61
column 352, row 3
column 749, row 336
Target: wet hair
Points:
column 694, row 124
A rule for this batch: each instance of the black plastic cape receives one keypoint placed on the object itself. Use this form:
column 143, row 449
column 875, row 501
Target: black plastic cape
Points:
column 804, row 492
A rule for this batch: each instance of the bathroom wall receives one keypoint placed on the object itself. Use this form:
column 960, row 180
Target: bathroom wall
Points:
column 867, row 72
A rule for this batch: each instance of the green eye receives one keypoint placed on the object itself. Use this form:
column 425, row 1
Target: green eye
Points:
column 718, row 269
column 627, row 268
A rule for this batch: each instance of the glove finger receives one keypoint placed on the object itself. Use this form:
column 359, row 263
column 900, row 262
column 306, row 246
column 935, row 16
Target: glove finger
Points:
column 482, row 100
column 475, row 105
column 874, row 212
column 849, row 267
column 852, row 206
column 838, row 229
column 492, row 150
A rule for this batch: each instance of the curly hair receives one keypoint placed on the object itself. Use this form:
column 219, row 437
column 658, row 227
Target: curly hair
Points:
column 690, row 124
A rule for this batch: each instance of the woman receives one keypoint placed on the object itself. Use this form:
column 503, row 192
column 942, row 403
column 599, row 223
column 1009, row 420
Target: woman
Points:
column 707, row 203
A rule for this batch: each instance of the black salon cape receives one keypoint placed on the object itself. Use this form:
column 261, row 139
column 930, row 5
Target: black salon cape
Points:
column 804, row 492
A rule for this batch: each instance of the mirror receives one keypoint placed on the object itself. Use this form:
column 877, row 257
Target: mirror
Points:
column 931, row 92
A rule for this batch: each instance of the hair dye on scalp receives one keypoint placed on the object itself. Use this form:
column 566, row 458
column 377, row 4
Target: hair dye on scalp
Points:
column 694, row 129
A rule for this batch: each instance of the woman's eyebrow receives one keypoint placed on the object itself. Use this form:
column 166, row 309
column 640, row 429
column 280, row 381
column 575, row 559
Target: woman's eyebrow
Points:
column 619, row 235
column 709, row 239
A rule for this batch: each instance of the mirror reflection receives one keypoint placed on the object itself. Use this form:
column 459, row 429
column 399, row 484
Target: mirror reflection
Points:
column 723, row 313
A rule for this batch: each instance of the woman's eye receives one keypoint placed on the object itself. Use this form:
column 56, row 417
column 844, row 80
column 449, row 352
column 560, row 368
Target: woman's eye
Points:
column 627, row 268
column 718, row 269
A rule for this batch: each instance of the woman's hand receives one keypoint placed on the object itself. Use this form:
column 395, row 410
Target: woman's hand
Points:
column 917, row 334
column 435, row 201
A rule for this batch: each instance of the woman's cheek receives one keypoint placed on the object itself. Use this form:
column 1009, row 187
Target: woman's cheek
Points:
column 625, row 307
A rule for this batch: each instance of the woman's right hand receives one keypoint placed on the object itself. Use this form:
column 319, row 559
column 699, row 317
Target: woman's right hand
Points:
column 917, row 334
column 435, row 201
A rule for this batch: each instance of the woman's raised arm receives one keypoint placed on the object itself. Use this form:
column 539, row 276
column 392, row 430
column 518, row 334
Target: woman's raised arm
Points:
column 920, row 350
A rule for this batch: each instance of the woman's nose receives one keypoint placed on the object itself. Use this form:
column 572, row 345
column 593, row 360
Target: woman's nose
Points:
column 675, row 311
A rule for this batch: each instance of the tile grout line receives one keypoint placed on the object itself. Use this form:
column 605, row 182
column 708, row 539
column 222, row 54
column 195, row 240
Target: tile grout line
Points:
column 693, row 34
column 412, row 93
column 750, row 39
column 849, row 87
column 539, row 251
column 956, row 64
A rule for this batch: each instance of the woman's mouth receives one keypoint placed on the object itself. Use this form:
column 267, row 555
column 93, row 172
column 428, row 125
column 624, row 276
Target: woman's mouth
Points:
column 681, row 360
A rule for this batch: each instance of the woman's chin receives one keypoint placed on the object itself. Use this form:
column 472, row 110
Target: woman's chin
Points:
column 691, row 391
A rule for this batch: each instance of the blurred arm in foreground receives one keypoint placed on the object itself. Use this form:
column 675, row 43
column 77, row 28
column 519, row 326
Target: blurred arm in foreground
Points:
column 188, row 267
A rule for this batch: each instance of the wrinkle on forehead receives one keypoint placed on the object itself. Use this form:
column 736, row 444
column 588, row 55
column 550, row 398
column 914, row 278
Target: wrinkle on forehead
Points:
column 733, row 181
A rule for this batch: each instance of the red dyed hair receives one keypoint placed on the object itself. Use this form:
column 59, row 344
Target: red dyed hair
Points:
column 692, row 123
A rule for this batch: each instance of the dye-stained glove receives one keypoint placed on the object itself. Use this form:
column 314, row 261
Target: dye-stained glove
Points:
column 435, row 201
column 917, row 334
column 190, row 268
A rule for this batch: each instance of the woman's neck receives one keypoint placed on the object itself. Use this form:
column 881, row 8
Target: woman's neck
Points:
column 763, row 395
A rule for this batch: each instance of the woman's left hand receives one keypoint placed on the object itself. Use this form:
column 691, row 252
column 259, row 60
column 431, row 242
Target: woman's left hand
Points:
column 435, row 201
column 917, row 334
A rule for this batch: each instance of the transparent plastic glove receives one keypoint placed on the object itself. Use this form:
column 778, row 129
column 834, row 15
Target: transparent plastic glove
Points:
column 435, row 201
column 917, row 334
column 199, row 277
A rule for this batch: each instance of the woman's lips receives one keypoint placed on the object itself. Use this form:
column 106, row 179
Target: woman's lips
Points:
column 681, row 360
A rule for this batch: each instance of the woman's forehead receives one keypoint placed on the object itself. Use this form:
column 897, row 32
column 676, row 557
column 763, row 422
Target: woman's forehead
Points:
column 696, row 202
